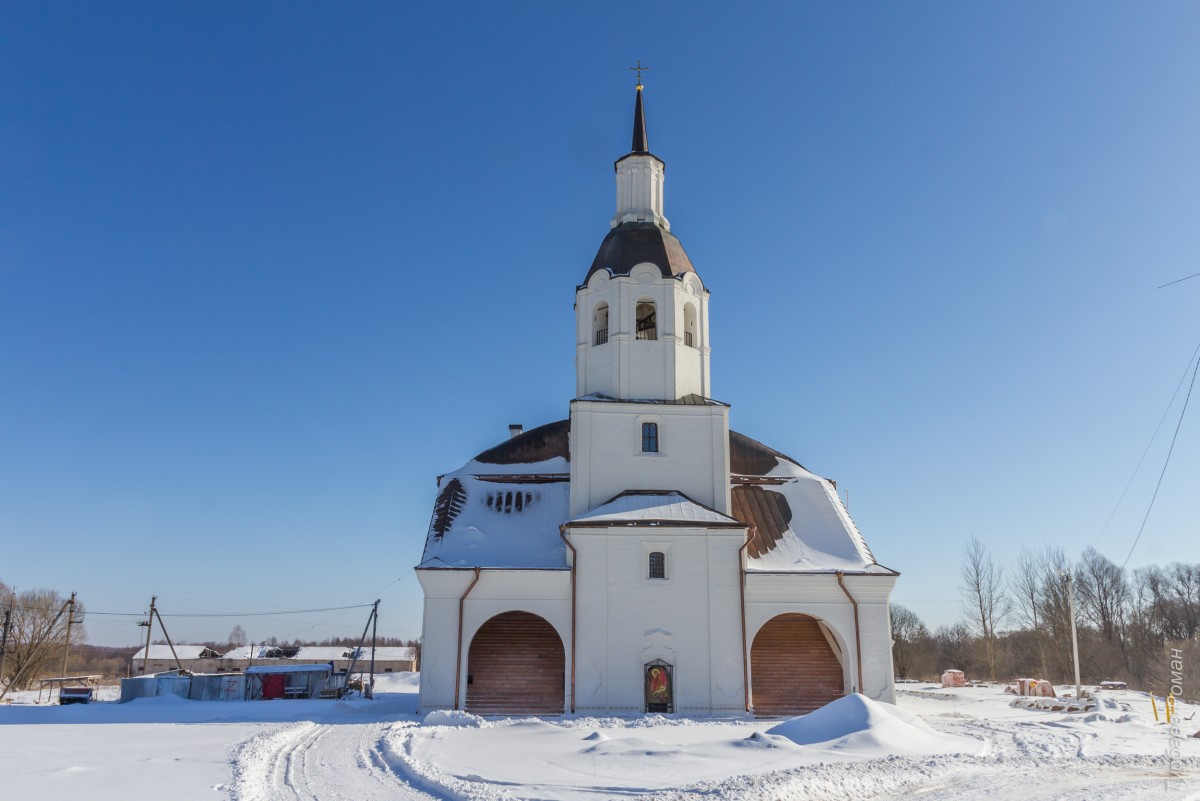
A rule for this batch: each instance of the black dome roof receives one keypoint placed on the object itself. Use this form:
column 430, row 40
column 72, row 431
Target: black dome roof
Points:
column 632, row 243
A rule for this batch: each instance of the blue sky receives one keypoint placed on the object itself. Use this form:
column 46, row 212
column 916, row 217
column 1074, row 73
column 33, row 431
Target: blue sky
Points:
column 266, row 271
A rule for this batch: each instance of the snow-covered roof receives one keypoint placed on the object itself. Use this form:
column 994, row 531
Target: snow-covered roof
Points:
column 389, row 653
column 503, row 509
column 163, row 652
column 323, row 653
column 654, row 508
column 311, row 668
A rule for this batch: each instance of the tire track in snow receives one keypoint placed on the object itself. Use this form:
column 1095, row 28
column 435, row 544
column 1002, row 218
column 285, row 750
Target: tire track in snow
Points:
column 318, row 762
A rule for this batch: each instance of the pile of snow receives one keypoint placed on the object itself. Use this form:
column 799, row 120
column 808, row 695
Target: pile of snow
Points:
column 1053, row 704
column 454, row 717
column 858, row 724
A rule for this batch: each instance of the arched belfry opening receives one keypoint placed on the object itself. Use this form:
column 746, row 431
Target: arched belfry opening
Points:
column 793, row 669
column 691, row 333
column 647, row 319
column 600, row 325
column 516, row 666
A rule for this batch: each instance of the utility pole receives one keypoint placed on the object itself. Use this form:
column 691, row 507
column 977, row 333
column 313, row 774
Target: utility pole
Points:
column 1074, row 634
column 170, row 644
column 149, row 624
column 374, row 629
column 67, row 644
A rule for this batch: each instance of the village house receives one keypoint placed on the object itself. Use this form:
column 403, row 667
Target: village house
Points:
column 192, row 658
column 203, row 659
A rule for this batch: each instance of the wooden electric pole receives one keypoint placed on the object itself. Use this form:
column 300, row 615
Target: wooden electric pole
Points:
column 70, row 623
column 149, row 624
column 170, row 644
column 374, row 629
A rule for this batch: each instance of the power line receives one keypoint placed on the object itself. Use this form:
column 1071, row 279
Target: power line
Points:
column 265, row 614
column 1186, row 277
column 1153, row 437
column 1166, row 462
column 200, row 614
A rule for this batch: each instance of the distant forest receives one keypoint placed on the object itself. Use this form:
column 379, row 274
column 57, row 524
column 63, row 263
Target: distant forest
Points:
column 1016, row 622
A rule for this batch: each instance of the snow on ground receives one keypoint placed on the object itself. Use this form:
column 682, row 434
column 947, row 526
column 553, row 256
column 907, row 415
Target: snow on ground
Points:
column 962, row 743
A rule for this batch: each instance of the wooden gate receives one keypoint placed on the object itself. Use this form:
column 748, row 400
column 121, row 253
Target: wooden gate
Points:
column 792, row 668
column 516, row 666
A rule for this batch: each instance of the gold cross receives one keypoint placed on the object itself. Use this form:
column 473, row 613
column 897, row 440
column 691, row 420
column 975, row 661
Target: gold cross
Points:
column 639, row 69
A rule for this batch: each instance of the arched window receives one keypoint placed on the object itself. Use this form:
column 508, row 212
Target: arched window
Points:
column 647, row 320
column 649, row 437
column 600, row 325
column 691, row 334
column 658, row 565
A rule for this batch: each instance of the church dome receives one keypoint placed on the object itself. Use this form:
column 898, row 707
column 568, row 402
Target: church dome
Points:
column 632, row 243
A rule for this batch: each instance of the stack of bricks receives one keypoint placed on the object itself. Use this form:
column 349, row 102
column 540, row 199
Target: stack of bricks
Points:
column 793, row 669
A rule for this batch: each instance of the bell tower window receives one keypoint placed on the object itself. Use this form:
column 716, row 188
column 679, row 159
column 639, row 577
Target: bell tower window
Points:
column 690, row 333
column 600, row 325
column 649, row 437
column 647, row 320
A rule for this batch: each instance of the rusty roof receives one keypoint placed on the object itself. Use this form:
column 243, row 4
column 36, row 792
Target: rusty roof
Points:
column 749, row 457
column 768, row 511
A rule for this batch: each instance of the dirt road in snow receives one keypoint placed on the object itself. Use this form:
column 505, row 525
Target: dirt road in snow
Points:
column 308, row 761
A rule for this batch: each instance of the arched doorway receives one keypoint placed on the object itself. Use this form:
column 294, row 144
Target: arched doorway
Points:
column 516, row 666
column 792, row 668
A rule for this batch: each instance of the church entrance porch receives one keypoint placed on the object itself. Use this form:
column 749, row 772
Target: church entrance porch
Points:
column 792, row 668
column 516, row 665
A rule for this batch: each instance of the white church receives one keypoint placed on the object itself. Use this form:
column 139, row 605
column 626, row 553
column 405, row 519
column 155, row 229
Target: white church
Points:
column 640, row 556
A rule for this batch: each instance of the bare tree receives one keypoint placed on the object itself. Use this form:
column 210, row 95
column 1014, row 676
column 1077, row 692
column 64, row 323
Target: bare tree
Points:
column 37, row 636
column 910, row 641
column 985, row 597
column 1025, row 583
column 1103, row 593
column 1056, row 608
column 237, row 637
column 955, row 646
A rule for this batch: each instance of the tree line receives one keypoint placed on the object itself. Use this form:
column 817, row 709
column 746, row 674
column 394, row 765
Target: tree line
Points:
column 1016, row 622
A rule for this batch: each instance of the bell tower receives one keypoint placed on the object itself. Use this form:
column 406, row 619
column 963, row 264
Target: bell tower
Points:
column 642, row 311
column 642, row 419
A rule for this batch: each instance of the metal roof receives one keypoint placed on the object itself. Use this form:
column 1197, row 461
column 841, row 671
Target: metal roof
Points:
column 652, row 507
column 632, row 243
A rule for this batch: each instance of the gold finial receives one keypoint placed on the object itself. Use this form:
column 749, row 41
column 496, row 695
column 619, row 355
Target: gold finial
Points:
column 639, row 69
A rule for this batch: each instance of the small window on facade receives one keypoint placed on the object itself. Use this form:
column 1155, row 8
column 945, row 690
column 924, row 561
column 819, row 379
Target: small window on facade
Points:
column 649, row 437
column 658, row 565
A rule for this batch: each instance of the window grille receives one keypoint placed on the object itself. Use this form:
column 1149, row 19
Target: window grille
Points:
column 658, row 565
column 649, row 437
column 687, row 338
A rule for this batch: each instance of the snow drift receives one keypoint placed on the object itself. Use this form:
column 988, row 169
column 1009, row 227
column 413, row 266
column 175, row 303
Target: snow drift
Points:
column 856, row 723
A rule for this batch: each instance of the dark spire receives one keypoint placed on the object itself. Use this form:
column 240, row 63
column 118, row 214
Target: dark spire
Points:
column 640, row 143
